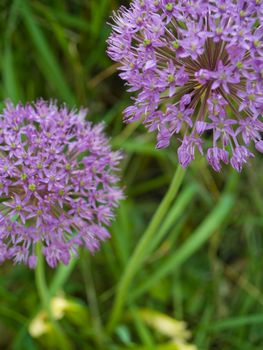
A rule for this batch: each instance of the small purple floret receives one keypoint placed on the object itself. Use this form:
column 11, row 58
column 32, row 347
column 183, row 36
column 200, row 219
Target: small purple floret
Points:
column 197, row 69
column 58, row 183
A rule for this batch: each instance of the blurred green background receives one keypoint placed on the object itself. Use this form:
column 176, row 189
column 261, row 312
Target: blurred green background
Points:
column 201, row 286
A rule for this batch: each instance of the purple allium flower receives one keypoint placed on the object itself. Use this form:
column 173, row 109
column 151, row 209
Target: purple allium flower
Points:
column 57, row 183
column 197, row 67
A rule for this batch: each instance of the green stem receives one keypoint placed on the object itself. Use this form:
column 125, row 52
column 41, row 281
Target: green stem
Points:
column 140, row 252
column 61, row 276
column 43, row 291
column 92, row 300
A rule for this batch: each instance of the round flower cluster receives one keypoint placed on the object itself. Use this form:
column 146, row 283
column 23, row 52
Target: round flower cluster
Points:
column 198, row 68
column 57, row 183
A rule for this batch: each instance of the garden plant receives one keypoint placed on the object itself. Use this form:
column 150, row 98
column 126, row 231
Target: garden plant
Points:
column 131, row 175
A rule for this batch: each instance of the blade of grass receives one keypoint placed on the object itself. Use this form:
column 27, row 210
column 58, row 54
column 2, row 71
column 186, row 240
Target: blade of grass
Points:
column 237, row 322
column 12, row 89
column 12, row 20
column 194, row 242
column 108, row 255
column 92, row 299
column 65, row 42
column 50, row 66
column 121, row 233
column 178, row 208
column 143, row 331
column 12, row 314
column 66, row 19
column 97, row 17
column 139, row 147
column 201, row 338
column 148, row 186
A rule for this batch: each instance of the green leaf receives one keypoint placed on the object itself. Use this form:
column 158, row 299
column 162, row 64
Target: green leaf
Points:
column 237, row 322
column 12, row 90
column 46, row 59
column 174, row 213
column 191, row 245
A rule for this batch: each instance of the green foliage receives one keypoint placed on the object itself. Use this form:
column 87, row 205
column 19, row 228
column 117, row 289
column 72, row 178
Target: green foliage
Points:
column 202, row 265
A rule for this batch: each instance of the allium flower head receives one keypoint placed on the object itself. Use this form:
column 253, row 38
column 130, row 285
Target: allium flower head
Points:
column 198, row 69
column 57, row 182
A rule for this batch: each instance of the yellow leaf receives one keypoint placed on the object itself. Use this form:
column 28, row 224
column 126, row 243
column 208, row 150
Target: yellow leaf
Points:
column 39, row 325
column 164, row 324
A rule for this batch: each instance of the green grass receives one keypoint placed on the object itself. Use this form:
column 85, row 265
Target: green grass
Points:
column 203, row 265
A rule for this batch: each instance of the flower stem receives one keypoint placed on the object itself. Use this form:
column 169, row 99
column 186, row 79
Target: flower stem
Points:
column 92, row 300
column 62, row 342
column 140, row 252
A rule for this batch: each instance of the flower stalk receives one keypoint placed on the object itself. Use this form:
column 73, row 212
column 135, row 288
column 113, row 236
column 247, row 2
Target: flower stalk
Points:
column 140, row 253
column 44, row 295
